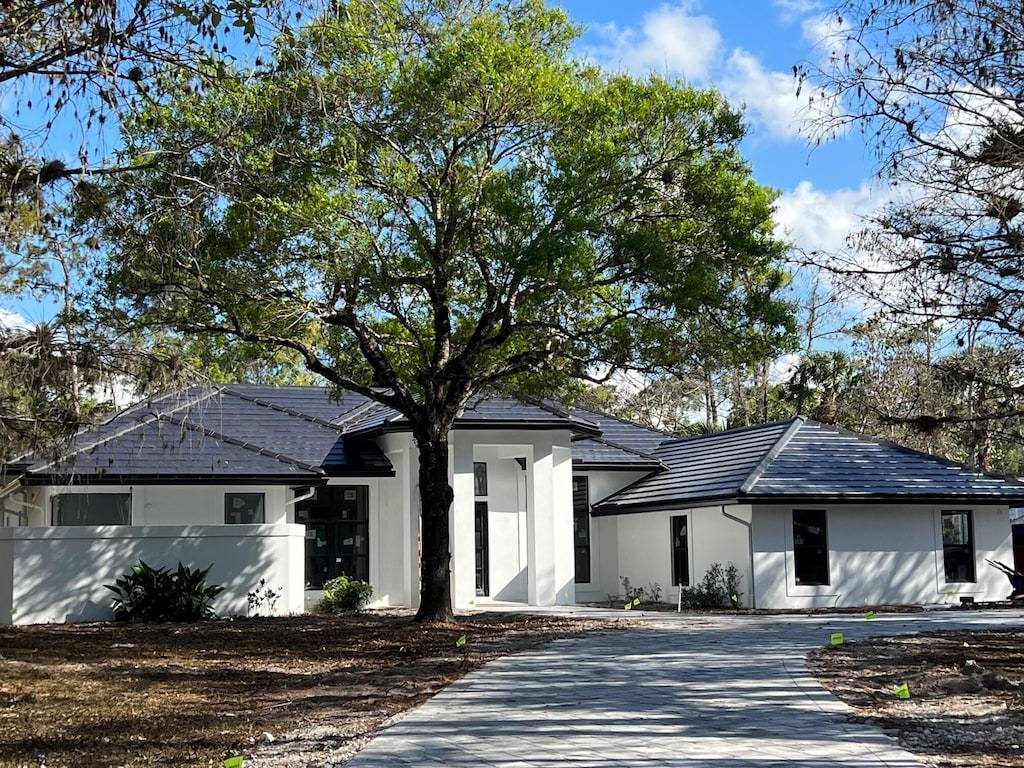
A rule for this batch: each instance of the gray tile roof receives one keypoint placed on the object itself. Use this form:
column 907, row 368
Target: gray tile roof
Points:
column 803, row 460
column 217, row 434
column 594, row 453
column 482, row 412
column 274, row 434
column 622, row 432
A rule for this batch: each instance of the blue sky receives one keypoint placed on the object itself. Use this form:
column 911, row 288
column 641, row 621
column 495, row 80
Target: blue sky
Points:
column 747, row 49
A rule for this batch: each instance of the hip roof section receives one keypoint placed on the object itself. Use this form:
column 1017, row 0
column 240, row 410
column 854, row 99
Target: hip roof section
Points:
column 802, row 460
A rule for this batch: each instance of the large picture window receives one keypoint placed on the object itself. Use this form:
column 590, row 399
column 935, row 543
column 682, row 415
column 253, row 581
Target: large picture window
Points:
column 244, row 509
column 810, row 547
column 958, row 545
column 581, row 527
column 92, row 509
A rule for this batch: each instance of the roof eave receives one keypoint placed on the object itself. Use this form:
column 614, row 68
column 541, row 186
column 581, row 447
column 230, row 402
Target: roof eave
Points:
column 206, row 479
column 606, row 510
column 611, row 466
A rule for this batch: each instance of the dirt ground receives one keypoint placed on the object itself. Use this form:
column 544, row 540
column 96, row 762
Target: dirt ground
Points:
column 194, row 695
column 966, row 705
column 311, row 690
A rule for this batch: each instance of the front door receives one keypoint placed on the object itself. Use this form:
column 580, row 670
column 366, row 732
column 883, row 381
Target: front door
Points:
column 337, row 533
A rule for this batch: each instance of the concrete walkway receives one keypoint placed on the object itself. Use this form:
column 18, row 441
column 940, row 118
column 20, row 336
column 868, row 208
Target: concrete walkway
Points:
column 722, row 692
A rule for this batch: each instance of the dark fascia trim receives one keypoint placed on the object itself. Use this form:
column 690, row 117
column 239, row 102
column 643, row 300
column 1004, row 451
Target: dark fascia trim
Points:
column 603, row 509
column 607, row 510
column 82, row 479
column 345, row 472
column 608, row 466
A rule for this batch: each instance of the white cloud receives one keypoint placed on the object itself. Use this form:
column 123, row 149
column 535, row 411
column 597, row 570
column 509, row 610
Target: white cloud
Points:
column 771, row 98
column 820, row 220
column 671, row 41
column 12, row 321
column 797, row 7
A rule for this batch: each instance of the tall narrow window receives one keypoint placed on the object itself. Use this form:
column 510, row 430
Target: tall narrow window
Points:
column 958, row 545
column 680, row 552
column 581, row 527
column 810, row 547
column 482, row 549
column 92, row 509
column 244, row 509
column 479, row 478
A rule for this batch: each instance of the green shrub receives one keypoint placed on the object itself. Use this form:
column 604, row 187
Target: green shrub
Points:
column 718, row 589
column 158, row 594
column 345, row 595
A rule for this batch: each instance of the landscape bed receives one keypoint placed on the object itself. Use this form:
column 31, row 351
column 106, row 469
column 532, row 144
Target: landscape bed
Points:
column 107, row 694
column 966, row 705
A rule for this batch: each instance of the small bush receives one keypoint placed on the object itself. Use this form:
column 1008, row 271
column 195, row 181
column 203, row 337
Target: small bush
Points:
column 345, row 595
column 263, row 596
column 718, row 589
column 649, row 594
column 159, row 594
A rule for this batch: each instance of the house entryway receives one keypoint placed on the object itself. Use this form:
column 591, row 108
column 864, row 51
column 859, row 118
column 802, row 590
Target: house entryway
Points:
column 337, row 533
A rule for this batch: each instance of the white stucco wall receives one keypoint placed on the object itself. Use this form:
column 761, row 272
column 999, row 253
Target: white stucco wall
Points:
column 57, row 574
column 174, row 504
column 644, row 552
column 395, row 551
column 878, row 554
column 604, row 556
column 535, row 564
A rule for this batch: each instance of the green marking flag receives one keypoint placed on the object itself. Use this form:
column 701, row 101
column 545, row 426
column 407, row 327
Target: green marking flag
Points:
column 837, row 638
column 460, row 642
column 636, row 602
column 949, row 591
column 233, row 762
column 472, row 602
column 903, row 691
column 869, row 615
column 628, row 607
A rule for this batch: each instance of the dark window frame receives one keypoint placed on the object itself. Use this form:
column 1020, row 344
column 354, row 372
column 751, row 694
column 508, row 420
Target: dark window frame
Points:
column 680, row 550
column 251, row 496
column 57, row 514
column 810, row 557
column 956, row 554
column 479, row 478
column 582, row 559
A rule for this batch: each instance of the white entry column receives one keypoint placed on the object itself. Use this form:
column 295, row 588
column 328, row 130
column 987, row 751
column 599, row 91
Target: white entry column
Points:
column 550, row 558
column 461, row 519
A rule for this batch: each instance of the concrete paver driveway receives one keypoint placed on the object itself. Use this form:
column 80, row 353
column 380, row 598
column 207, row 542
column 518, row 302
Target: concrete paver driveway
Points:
column 723, row 692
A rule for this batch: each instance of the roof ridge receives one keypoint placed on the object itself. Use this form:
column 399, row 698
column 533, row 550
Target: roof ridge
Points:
column 145, row 419
column 280, row 408
column 631, row 422
column 347, row 419
column 934, row 457
column 283, row 458
column 773, row 452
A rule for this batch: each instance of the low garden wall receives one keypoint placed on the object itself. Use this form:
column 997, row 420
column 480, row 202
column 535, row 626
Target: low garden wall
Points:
column 57, row 574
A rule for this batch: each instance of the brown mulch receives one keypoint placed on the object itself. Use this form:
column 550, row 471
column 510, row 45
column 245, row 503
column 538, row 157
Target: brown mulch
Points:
column 191, row 695
column 966, row 705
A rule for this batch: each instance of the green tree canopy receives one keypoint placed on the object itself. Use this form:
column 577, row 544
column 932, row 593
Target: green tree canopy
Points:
column 427, row 199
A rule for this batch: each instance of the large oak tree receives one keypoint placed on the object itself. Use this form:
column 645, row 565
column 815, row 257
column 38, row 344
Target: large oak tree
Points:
column 429, row 198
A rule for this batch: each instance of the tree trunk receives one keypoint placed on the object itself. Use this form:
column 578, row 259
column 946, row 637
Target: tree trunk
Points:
column 436, row 497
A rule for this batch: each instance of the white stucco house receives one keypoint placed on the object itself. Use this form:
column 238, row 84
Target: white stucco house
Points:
column 551, row 506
